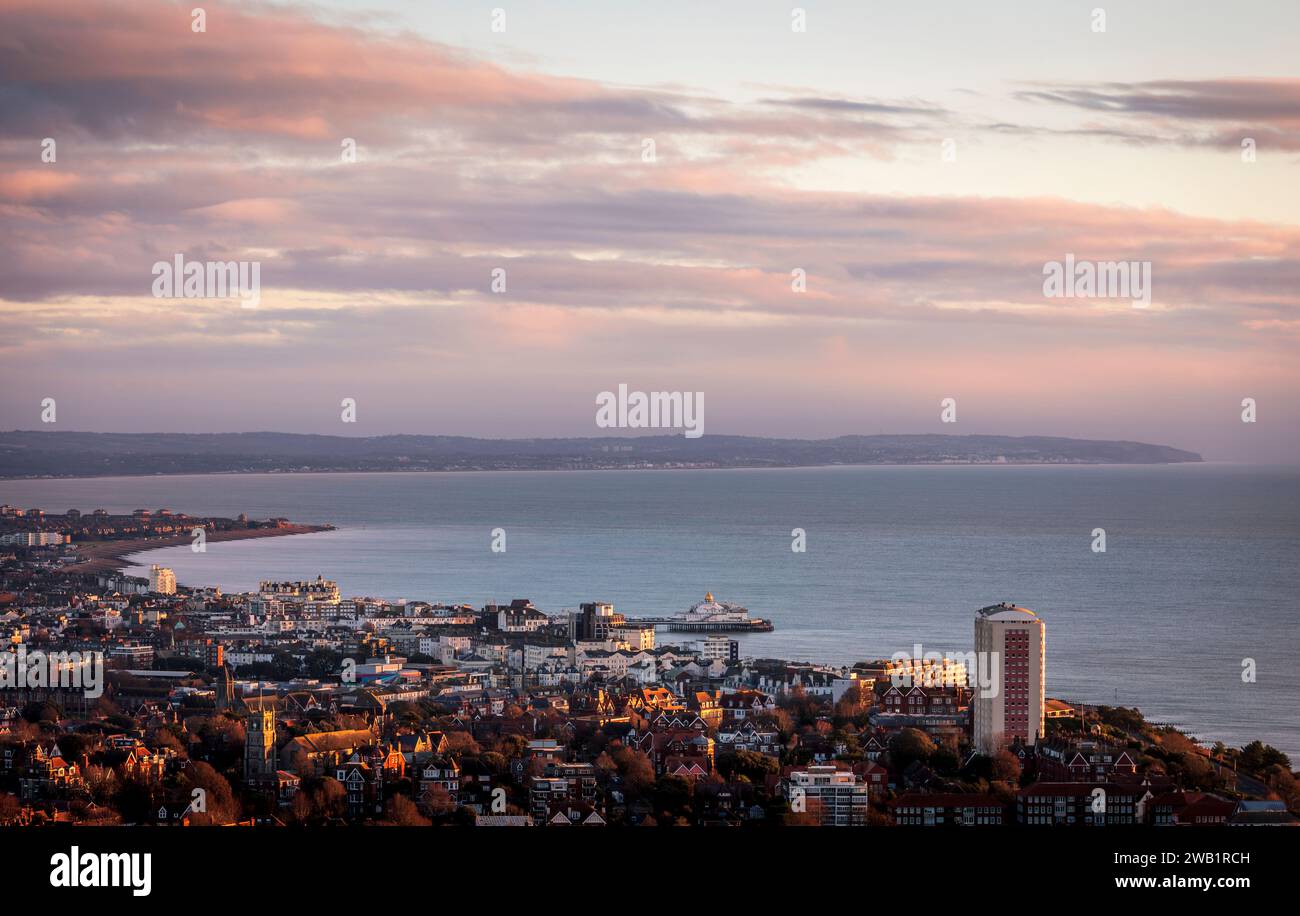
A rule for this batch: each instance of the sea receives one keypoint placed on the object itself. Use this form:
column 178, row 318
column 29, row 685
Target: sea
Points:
column 1192, row 613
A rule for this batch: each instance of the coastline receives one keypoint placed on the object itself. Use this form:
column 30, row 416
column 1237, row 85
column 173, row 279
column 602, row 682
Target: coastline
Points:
column 114, row 556
column 306, row 472
column 391, row 564
column 111, row 556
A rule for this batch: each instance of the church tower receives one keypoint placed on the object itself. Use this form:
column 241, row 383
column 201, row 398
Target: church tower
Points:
column 224, row 689
column 260, row 763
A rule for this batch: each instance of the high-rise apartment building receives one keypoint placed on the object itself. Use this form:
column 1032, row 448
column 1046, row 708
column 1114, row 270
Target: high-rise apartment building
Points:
column 1010, row 656
column 162, row 580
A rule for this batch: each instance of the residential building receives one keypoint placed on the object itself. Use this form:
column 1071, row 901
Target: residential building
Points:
column 949, row 810
column 1060, row 760
column 837, row 798
column 1189, row 809
column 162, row 580
column 1008, row 699
column 1077, row 804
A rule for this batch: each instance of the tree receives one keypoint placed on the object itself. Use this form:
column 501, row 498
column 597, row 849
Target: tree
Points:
column 1006, row 767
column 636, row 769
column 218, row 799
column 878, row 818
column 136, row 800
column 10, row 808
column 805, row 818
column 784, row 723
column 462, row 743
column 220, row 737
column 302, row 810
column 750, row 765
column 1284, row 785
column 102, row 782
column 74, row 745
column 42, row 712
column 164, row 739
column 318, row 799
column 402, row 812
column 321, row 663
column 908, row 745
column 21, row 730
column 512, row 746
column 1254, row 757
column 855, row 702
column 945, row 761
column 437, row 801
column 672, row 796
column 802, row 708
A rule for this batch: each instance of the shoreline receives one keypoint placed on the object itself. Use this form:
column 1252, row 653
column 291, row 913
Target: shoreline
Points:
column 111, row 556
column 729, row 467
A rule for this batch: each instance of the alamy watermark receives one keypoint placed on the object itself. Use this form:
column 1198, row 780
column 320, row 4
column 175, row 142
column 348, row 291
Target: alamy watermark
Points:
column 1073, row 279
column 654, row 410
column 75, row 868
column 977, row 670
column 69, row 670
column 181, row 279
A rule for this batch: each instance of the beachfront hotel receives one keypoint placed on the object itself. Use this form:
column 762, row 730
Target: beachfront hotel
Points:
column 1008, row 706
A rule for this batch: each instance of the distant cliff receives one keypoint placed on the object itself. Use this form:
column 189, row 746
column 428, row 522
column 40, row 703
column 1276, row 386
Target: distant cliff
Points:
column 74, row 454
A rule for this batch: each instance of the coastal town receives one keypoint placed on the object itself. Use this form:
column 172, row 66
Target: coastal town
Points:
column 137, row 701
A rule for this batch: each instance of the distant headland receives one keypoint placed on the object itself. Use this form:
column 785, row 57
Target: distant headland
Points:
column 28, row 453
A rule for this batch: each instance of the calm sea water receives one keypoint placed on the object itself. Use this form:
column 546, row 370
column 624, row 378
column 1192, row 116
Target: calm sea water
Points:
column 1200, row 573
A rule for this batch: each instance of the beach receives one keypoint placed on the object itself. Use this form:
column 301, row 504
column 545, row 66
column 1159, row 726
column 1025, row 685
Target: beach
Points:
column 110, row 556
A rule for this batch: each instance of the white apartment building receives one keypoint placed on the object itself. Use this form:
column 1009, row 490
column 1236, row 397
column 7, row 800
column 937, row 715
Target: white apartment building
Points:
column 34, row 538
column 451, row 645
column 1010, row 647
column 634, row 636
column 712, row 647
column 535, row 656
column 838, row 798
column 162, row 580
column 926, row 672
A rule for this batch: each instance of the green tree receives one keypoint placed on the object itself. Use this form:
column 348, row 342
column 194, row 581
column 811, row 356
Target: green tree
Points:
column 1254, row 757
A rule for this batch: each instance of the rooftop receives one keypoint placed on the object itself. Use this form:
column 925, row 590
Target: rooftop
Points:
column 1005, row 611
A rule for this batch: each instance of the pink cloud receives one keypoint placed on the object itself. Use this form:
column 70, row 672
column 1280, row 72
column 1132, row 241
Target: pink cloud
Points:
column 171, row 141
column 266, row 210
column 29, row 185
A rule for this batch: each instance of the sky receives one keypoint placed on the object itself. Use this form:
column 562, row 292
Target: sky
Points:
column 917, row 164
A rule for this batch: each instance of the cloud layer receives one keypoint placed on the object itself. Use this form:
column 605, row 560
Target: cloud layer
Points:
column 227, row 144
